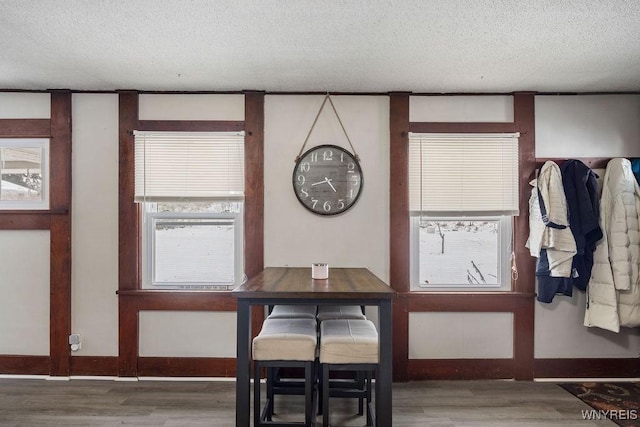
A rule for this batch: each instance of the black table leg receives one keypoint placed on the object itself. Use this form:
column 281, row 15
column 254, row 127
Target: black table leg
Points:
column 243, row 368
column 385, row 372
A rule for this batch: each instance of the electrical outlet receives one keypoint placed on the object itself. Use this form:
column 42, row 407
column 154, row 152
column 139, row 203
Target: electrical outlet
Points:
column 75, row 342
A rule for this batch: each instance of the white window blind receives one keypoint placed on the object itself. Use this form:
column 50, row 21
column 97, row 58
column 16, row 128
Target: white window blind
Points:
column 474, row 174
column 189, row 166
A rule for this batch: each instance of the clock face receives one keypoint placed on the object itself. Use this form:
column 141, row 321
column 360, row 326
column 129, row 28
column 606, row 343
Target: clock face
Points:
column 327, row 180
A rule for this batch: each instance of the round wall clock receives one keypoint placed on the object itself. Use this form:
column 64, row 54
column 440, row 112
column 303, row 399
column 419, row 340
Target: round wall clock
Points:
column 327, row 180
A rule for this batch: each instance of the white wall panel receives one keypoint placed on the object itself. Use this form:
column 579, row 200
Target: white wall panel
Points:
column 587, row 126
column 24, row 105
column 436, row 335
column 296, row 237
column 187, row 334
column 24, row 281
column 94, row 273
column 461, row 108
column 191, row 107
column 560, row 333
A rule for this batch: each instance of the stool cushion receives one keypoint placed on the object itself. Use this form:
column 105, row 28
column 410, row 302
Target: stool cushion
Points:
column 286, row 339
column 328, row 312
column 344, row 341
column 293, row 312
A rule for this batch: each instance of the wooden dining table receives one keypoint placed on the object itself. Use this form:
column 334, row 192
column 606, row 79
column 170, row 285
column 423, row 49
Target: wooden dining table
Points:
column 289, row 285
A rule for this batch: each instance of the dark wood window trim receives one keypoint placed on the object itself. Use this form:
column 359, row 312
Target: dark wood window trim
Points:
column 191, row 125
column 146, row 299
column 399, row 229
column 57, row 219
column 21, row 221
column 519, row 301
column 26, row 219
column 462, row 127
column 133, row 299
column 25, row 128
column 60, row 201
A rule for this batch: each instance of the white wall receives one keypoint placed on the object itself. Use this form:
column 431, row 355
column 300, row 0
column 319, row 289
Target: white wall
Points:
column 587, row 126
column 24, row 258
column 24, row 281
column 94, row 267
column 559, row 332
column 187, row 334
column 583, row 126
column 19, row 105
column 495, row 108
column 460, row 335
column 293, row 235
column 191, row 107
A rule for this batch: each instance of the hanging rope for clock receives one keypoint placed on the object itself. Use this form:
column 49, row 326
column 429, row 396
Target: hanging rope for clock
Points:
column 327, row 97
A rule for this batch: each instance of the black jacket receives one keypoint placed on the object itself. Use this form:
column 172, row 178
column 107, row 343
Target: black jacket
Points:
column 581, row 189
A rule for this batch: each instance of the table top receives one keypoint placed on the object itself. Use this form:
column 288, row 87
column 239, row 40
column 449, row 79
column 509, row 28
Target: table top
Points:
column 292, row 283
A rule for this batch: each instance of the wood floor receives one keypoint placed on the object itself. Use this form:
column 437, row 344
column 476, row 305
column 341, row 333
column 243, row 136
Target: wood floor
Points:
column 38, row 402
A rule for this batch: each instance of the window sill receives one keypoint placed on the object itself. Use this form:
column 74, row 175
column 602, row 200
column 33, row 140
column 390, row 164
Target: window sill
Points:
column 511, row 294
column 146, row 292
column 150, row 299
column 34, row 211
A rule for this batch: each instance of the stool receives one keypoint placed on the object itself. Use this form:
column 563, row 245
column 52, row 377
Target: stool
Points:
column 347, row 344
column 281, row 311
column 329, row 312
column 285, row 343
column 275, row 382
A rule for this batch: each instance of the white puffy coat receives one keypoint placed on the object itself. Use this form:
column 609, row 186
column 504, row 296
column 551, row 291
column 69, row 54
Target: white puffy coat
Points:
column 559, row 243
column 613, row 294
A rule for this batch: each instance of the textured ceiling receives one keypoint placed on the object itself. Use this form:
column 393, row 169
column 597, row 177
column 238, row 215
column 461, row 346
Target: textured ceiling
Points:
column 323, row 45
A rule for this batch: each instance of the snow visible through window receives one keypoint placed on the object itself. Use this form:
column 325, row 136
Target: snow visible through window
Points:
column 459, row 253
column 192, row 245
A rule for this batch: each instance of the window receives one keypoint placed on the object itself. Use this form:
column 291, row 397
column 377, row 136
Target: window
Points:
column 463, row 192
column 192, row 245
column 191, row 186
column 24, row 173
column 460, row 252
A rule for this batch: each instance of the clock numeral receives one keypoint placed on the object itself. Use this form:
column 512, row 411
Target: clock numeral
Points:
column 304, row 192
column 314, row 156
column 327, row 155
column 351, row 166
column 326, row 206
column 305, row 166
column 315, row 202
column 350, row 195
column 301, row 179
column 341, row 157
column 340, row 203
column 355, row 180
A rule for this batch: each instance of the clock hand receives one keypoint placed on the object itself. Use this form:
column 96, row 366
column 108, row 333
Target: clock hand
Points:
column 321, row 182
column 328, row 181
